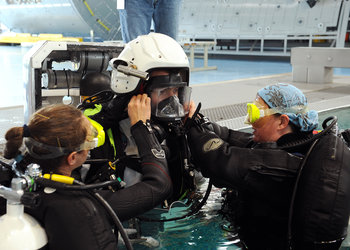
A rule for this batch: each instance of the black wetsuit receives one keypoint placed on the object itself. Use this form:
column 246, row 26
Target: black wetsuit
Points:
column 109, row 117
column 75, row 220
column 263, row 175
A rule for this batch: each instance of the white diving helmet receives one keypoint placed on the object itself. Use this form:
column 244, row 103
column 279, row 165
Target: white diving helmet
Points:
column 140, row 68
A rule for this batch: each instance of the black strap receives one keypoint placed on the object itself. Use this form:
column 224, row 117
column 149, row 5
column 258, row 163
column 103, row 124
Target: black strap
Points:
column 26, row 132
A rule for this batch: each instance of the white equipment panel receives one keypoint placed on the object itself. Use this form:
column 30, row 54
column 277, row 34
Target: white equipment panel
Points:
column 264, row 27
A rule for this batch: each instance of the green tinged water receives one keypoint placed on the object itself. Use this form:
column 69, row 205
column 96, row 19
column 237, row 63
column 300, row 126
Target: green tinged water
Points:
column 342, row 114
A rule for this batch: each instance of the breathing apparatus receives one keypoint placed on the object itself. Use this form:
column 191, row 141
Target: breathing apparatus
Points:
column 22, row 193
column 96, row 99
column 170, row 96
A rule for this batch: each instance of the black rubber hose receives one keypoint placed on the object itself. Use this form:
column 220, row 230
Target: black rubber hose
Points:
column 111, row 213
column 324, row 123
column 290, row 216
column 325, row 131
column 114, row 217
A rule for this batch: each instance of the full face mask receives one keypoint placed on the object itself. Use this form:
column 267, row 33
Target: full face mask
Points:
column 170, row 97
column 173, row 107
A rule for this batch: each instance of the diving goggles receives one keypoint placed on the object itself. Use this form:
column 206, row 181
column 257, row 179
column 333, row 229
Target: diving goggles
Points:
column 94, row 140
column 255, row 111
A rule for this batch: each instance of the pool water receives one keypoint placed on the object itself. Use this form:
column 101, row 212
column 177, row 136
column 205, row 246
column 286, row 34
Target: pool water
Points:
column 343, row 115
column 200, row 231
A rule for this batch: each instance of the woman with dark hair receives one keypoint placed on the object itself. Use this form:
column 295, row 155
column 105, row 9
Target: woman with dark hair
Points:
column 58, row 137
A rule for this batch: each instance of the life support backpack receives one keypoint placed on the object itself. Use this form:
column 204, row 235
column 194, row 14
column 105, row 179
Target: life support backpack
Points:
column 320, row 210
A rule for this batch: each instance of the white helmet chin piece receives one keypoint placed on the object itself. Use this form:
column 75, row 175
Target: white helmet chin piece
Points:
column 140, row 56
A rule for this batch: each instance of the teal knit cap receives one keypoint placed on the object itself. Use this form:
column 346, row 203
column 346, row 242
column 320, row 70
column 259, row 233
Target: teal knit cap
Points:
column 289, row 100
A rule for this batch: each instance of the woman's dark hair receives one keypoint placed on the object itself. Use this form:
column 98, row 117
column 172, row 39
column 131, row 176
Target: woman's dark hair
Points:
column 55, row 125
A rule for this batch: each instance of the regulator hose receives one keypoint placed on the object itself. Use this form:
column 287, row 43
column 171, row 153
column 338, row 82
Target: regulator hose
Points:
column 112, row 214
column 290, row 216
column 115, row 218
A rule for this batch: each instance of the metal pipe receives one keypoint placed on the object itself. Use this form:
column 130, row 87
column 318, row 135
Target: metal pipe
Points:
column 133, row 72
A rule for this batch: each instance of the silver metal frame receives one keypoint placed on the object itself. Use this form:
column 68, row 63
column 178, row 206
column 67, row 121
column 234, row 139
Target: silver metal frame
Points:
column 37, row 61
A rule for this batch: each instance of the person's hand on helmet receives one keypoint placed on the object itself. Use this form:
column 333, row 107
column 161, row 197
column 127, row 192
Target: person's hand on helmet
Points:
column 139, row 108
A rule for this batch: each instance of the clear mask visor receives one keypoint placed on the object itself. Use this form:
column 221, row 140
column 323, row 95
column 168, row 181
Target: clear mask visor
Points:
column 171, row 103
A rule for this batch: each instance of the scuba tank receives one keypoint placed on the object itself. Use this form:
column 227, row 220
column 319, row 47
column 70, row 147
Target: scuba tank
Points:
column 19, row 230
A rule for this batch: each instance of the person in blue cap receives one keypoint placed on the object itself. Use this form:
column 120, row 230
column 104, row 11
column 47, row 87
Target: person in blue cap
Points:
column 261, row 167
column 288, row 105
